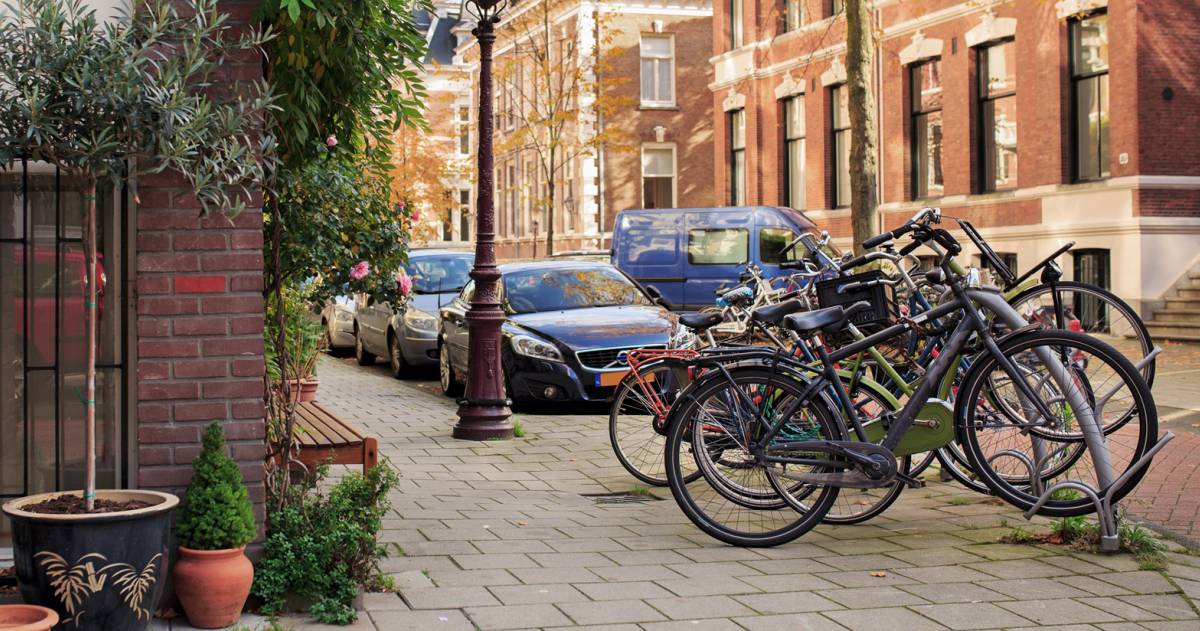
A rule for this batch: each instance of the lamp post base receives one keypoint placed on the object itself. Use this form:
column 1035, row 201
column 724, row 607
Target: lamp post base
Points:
column 483, row 421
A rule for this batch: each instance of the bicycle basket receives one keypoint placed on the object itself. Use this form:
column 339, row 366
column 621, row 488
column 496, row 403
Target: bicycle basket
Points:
column 847, row 290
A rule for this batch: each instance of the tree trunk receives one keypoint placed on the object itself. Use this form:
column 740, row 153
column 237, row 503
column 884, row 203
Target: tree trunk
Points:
column 89, row 321
column 859, row 51
column 551, row 190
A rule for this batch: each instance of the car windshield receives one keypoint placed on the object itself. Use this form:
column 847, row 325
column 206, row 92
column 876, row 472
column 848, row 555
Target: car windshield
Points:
column 439, row 274
column 541, row 289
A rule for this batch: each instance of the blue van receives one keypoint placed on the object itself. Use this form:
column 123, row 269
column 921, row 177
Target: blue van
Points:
column 687, row 253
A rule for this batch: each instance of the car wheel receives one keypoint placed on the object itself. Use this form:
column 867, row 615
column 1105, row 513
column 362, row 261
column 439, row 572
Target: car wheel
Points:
column 450, row 384
column 400, row 368
column 364, row 357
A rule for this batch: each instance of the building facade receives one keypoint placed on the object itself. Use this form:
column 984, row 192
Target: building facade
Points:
column 1041, row 122
column 643, row 75
column 181, row 328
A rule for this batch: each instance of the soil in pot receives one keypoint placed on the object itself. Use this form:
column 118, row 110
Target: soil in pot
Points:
column 74, row 505
column 212, row 585
column 27, row 618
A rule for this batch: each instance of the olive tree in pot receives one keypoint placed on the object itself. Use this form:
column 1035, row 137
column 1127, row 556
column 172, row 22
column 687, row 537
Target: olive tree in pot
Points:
column 213, row 575
column 107, row 102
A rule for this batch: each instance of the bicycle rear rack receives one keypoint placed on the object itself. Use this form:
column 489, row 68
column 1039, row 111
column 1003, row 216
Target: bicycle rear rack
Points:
column 1110, row 539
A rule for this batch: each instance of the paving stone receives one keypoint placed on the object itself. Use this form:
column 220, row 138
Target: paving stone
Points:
column 1120, row 609
column 636, row 573
column 699, row 607
column 609, row 612
column 727, row 585
column 493, row 561
column 942, row 574
column 460, row 578
column 953, row 593
column 623, row 591
column 1060, row 611
column 646, row 557
column 716, row 624
column 1033, row 588
column 1169, row 606
column 786, row 602
column 868, row 597
column 710, row 555
column 530, row 594
column 886, row 618
column 865, row 578
column 791, row 622
column 516, row 617
column 1139, row 582
column 945, row 556
column 555, row 575
column 862, row 562
column 449, row 597
column 773, row 566
column 788, row 582
column 445, row 620
column 571, row 559
column 970, row 615
column 1018, row 568
column 1091, row 585
column 383, row 602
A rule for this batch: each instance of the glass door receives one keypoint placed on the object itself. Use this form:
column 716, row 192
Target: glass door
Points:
column 42, row 335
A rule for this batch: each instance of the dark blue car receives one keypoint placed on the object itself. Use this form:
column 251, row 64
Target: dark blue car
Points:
column 687, row 253
column 567, row 324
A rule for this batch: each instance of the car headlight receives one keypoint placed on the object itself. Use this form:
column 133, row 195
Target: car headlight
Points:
column 535, row 348
column 418, row 320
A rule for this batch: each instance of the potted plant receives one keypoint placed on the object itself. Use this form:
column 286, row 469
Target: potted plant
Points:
column 107, row 102
column 304, row 336
column 27, row 618
column 213, row 575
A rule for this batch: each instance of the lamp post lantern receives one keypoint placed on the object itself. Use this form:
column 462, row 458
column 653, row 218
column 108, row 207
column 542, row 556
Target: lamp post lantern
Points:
column 483, row 411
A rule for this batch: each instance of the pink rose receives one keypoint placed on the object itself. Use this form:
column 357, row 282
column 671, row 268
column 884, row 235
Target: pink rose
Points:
column 416, row 216
column 403, row 283
column 360, row 270
column 331, row 141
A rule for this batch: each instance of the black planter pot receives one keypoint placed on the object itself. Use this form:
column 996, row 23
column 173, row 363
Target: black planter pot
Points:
column 99, row 572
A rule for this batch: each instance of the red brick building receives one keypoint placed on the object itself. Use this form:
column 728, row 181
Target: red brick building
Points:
column 181, row 328
column 1042, row 122
column 655, row 64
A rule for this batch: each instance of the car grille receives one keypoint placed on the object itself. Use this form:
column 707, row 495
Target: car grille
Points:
column 607, row 358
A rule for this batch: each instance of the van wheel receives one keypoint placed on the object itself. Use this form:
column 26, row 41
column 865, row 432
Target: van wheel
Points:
column 364, row 357
column 400, row 368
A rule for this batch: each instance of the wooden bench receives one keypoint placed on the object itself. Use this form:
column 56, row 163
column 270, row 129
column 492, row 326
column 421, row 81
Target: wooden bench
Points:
column 322, row 435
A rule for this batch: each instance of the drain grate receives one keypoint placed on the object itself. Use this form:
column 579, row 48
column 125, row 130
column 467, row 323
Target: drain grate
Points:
column 622, row 498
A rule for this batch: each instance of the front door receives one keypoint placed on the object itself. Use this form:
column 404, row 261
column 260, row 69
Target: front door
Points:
column 42, row 337
column 1092, row 267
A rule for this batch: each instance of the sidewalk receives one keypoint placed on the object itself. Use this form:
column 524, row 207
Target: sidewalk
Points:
column 526, row 534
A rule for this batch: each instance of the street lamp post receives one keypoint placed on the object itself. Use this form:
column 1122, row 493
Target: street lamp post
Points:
column 483, row 411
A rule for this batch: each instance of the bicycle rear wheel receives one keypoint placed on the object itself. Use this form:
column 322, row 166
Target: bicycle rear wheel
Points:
column 1086, row 385
column 725, row 413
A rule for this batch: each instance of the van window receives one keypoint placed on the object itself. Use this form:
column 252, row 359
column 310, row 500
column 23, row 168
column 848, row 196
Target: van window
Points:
column 648, row 248
column 718, row 246
column 771, row 241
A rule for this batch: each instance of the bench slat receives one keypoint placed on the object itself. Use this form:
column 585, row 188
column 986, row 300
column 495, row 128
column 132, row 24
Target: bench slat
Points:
column 342, row 428
column 314, row 430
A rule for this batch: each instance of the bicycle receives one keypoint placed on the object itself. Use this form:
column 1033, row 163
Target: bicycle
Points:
column 792, row 443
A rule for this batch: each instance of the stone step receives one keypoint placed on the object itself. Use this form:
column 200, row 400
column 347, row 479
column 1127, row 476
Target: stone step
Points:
column 1188, row 293
column 1174, row 330
column 1186, row 316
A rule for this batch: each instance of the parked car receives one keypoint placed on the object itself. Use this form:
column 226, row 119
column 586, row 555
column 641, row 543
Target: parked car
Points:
column 568, row 324
column 408, row 338
column 337, row 318
column 686, row 254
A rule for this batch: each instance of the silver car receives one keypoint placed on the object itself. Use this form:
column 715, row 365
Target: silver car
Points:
column 337, row 318
column 409, row 338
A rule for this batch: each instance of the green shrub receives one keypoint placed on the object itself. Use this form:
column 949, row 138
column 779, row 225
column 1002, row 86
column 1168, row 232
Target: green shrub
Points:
column 216, row 513
column 323, row 547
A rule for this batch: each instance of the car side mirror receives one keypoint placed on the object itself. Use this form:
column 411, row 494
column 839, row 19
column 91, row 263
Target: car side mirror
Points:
column 655, row 295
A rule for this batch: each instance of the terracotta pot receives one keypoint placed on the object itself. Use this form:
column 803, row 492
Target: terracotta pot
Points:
column 27, row 618
column 212, row 585
column 304, row 391
column 120, row 559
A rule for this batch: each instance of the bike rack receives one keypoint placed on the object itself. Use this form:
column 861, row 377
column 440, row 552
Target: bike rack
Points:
column 1110, row 540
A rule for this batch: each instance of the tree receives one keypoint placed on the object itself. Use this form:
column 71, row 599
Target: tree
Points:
column 863, row 194
column 550, row 77
column 421, row 171
column 132, row 96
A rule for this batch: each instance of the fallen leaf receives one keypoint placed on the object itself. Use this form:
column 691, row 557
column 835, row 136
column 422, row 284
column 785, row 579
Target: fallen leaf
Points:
column 166, row 613
column 878, row 574
column 522, row 523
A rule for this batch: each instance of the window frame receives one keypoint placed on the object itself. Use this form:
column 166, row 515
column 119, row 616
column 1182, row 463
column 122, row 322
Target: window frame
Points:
column 987, row 179
column 917, row 114
column 658, row 62
column 786, row 17
column 1076, row 79
column 464, row 214
column 674, row 170
column 737, row 155
column 737, row 24
column 464, row 130
column 745, row 254
column 836, row 132
column 788, row 138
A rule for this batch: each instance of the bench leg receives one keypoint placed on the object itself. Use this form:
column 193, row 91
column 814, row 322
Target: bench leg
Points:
column 370, row 453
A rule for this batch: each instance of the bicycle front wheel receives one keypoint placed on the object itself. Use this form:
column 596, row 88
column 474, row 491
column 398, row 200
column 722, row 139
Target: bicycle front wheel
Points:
column 637, row 422
column 1086, row 386
column 710, row 433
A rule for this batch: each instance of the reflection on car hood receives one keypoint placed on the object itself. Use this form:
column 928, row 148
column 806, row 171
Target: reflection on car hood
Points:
column 600, row 327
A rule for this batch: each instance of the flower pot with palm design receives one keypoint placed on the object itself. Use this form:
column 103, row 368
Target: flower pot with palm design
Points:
column 98, row 571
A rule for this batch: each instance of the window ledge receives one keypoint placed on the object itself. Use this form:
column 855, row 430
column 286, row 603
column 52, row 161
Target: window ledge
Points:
column 672, row 107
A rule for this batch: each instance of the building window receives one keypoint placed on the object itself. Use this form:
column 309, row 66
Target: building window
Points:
column 735, row 24
column 793, row 152
column 837, row 7
column 464, row 214
column 1089, row 92
column 513, row 204
column 841, row 145
column 793, row 14
column 658, row 177
column 737, row 157
column 568, row 194
column 925, row 80
column 658, row 70
column 718, row 246
column 464, row 130
column 998, row 116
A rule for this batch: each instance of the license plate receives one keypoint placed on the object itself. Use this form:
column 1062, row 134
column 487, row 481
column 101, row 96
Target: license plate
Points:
column 607, row 379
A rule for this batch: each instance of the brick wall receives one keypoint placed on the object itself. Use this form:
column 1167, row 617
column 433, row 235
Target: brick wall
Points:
column 199, row 326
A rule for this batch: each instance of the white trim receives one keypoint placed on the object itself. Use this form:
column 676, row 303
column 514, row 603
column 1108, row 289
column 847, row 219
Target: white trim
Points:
column 990, row 29
column 670, row 37
column 836, row 74
column 733, row 101
column 789, row 87
column 920, row 49
column 1067, row 8
column 674, row 170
